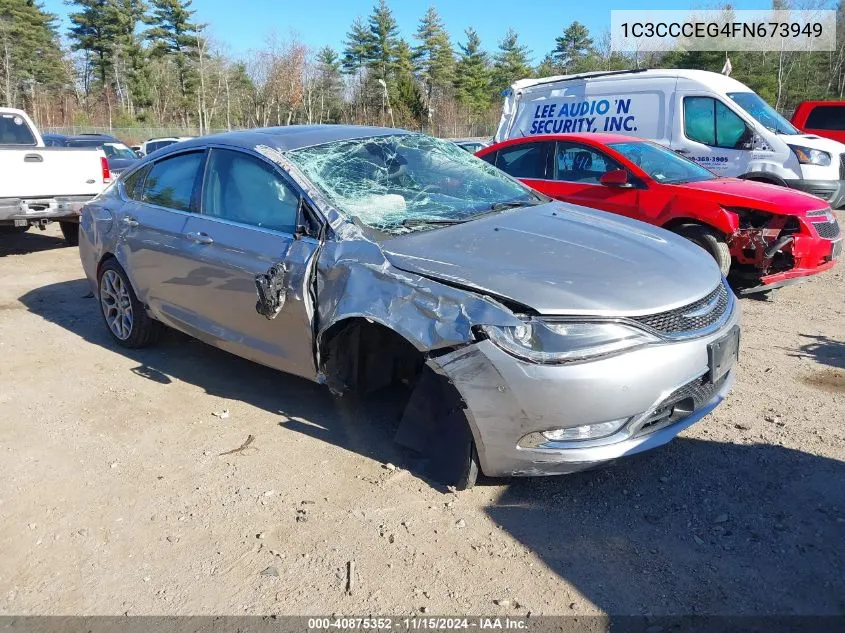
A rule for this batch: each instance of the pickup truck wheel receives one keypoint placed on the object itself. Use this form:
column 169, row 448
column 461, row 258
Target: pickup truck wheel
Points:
column 70, row 231
column 710, row 241
column 126, row 319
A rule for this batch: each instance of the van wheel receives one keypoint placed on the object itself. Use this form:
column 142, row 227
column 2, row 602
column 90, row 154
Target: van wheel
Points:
column 126, row 319
column 710, row 241
column 70, row 231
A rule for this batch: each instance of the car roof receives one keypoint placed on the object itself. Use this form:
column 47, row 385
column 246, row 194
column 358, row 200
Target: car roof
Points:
column 715, row 81
column 600, row 138
column 291, row 137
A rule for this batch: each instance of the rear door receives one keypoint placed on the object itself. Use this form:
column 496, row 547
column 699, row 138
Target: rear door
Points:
column 248, row 224
column 158, row 200
column 529, row 161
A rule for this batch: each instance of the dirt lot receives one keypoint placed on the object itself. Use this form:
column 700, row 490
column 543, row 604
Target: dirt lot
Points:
column 115, row 497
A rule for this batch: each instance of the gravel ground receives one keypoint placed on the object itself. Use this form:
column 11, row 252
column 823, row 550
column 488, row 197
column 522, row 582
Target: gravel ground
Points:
column 115, row 497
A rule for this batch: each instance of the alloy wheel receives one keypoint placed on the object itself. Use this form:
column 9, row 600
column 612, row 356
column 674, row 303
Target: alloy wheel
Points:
column 116, row 304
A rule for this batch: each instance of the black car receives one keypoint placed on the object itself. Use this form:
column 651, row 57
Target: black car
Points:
column 118, row 154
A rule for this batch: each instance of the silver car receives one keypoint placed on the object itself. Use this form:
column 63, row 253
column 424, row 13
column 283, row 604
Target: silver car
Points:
column 530, row 337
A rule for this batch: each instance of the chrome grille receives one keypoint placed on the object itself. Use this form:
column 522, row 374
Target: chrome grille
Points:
column 842, row 167
column 684, row 320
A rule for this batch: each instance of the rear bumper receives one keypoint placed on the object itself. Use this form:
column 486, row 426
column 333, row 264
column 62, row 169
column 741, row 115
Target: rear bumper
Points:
column 831, row 190
column 33, row 210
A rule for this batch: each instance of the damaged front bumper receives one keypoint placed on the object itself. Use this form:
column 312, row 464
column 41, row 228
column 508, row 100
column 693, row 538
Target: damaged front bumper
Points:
column 657, row 391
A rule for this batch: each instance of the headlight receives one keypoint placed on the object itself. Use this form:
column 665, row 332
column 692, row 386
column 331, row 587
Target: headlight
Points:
column 807, row 156
column 560, row 342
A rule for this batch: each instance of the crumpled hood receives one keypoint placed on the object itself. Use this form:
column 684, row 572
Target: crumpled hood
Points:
column 757, row 195
column 559, row 258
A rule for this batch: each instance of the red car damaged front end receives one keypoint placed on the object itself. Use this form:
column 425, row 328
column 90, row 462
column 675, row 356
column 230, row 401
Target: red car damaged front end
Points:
column 773, row 250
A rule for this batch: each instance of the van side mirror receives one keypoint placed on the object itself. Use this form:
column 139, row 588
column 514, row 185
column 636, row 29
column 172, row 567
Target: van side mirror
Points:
column 615, row 178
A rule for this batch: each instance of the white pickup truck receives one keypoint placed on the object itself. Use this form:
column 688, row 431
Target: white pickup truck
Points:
column 39, row 184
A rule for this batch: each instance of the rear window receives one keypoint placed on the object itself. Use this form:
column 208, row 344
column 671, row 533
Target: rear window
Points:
column 826, row 117
column 170, row 182
column 157, row 145
column 15, row 131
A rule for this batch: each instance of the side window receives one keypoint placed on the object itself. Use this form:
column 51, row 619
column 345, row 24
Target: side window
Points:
column 132, row 183
column 490, row 158
column 242, row 188
column 527, row 160
column 826, row 117
column 579, row 163
column 711, row 122
column 170, row 182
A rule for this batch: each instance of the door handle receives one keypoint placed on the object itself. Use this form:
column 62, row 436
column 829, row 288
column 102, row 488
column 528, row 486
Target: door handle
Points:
column 131, row 222
column 682, row 151
column 199, row 238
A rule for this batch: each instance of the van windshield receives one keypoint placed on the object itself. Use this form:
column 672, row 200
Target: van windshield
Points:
column 754, row 105
column 664, row 165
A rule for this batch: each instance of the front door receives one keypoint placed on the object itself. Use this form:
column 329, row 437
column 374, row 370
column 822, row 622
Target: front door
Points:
column 247, row 225
column 577, row 169
column 713, row 135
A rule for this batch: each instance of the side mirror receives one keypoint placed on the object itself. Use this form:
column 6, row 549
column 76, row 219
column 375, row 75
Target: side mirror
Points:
column 615, row 178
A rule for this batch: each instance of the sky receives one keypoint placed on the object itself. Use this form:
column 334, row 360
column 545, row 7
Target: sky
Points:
column 244, row 25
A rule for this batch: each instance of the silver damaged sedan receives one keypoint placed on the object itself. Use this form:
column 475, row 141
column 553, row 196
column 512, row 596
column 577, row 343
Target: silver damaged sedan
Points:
column 526, row 336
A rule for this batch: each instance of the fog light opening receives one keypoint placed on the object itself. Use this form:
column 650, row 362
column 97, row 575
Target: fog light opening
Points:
column 586, row 431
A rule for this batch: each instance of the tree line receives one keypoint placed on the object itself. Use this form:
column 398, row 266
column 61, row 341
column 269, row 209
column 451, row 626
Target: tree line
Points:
column 124, row 63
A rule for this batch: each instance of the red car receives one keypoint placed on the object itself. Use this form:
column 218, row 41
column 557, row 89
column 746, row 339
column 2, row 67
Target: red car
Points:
column 763, row 235
column 824, row 118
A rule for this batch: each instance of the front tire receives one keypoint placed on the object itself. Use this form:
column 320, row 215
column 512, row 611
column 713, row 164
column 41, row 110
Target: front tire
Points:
column 70, row 231
column 711, row 241
column 126, row 319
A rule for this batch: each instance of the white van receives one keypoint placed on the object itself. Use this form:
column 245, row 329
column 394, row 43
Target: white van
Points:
column 710, row 118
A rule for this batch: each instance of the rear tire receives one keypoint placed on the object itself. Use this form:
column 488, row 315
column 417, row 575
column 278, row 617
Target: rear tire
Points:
column 70, row 231
column 126, row 319
column 711, row 241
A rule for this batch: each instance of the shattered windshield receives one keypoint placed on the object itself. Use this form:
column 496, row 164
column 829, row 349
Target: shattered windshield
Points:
column 408, row 182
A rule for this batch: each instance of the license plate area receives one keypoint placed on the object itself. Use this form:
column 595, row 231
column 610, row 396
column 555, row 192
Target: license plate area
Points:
column 21, row 222
column 836, row 250
column 722, row 354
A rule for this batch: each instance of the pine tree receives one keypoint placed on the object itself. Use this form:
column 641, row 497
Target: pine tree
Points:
column 329, row 84
column 573, row 48
column 434, row 59
column 95, row 28
column 356, row 48
column 382, row 42
column 176, row 38
column 406, row 96
column 511, row 62
column 29, row 51
column 472, row 74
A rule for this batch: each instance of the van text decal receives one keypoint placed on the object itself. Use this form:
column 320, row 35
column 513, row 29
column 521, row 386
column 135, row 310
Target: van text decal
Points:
column 596, row 115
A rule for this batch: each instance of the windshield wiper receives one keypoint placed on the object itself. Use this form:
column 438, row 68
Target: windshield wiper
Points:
column 425, row 221
column 513, row 204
